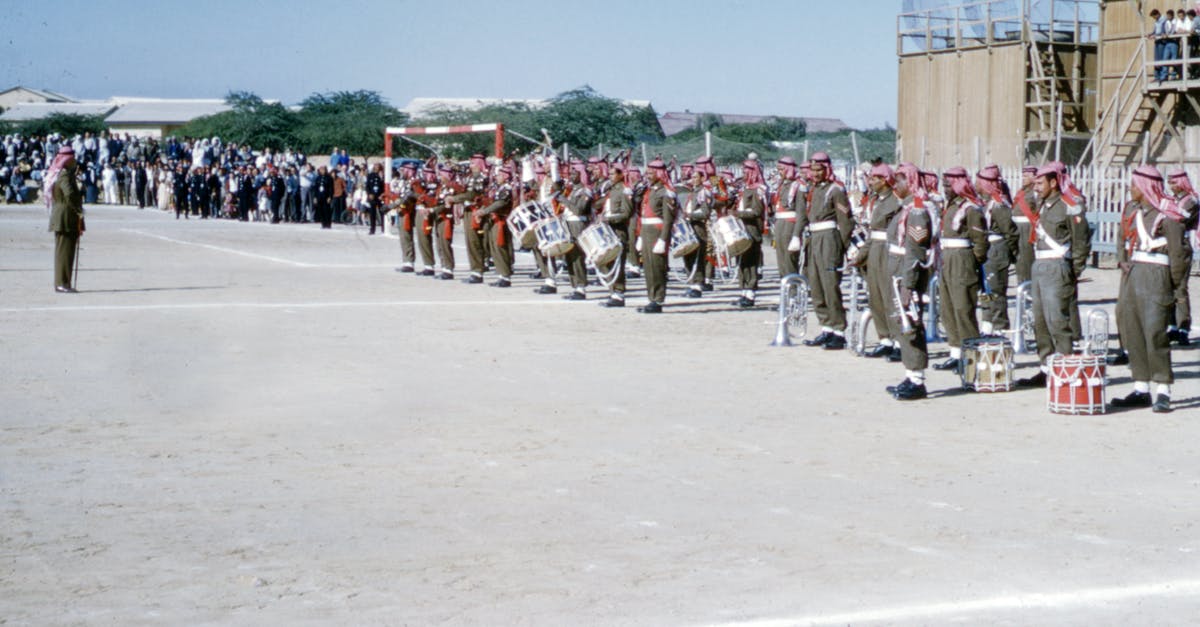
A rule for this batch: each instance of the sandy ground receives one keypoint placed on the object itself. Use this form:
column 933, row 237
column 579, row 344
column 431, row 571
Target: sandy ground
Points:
column 251, row 424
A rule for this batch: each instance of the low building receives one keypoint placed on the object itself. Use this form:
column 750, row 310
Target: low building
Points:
column 158, row 117
column 25, row 111
column 14, row 96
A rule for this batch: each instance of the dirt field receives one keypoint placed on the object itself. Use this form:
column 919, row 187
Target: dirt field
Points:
column 251, row 424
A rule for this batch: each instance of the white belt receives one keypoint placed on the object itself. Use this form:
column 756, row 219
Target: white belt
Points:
column 1049, row 254
column 956, row 242
column 896, row 249
column 827, row 225
column 1147, row 257
column 790, row 215
column 995, row 238
column 1021, row 220
column 879, row 236
column 652, row 221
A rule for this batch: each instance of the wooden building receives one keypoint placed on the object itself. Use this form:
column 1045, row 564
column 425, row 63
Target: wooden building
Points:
column 996, row 81
column 1141, row 118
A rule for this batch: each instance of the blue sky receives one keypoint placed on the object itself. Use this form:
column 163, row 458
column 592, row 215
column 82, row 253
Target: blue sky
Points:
column 795, row 58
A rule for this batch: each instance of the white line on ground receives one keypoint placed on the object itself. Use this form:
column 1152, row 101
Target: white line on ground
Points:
column 1056, row 601
column 329, row 305
column 234, row 251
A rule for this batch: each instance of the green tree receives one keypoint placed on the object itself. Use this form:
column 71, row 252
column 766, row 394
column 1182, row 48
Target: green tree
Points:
column 584, row 118
column 353, row 120
column 67, row 124
column 251, row 121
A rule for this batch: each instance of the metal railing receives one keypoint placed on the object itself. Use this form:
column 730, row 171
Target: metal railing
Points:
column 985, row 23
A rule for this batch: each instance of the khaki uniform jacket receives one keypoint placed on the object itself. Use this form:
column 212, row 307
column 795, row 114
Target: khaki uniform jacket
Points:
column 662, row 205
column 828, row 201
column 618, row 205
column 67, row 204
column 960, row 221
column 751, row 209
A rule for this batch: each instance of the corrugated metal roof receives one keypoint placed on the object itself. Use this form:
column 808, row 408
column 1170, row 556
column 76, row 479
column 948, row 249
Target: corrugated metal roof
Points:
column 45, row 95
column 165, row 111
column 38, row 110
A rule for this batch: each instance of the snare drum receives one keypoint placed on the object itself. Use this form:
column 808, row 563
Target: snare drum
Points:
column 987, row 364
column 553, row 238
column 524, row 220
column 733, row 233
column 599, row 244
column 683, row 239
column 1075, row 384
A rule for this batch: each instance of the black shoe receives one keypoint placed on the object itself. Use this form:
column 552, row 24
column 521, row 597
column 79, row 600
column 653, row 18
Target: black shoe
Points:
column 692, row 293
column 951, row 363
column 575, row 296
column 835, row 343
column 613, row 302
column 63, row 289
column 1137, row 399
column 1181, row 337
column 446, row 276
column 546, row 289
column 371, row 232
column 879, row 351
column 652, row 308
column 427, row 272
column 1036, row 381
column 913, row 393
column 474, row 280
column 1121, row 359
column 1162, row 404
column 536, row 275
column 744, row 303
column 895, row 356
column 903, row 385
column 707, row 287
column 820, row 340
column 501, row 282
column 405, row 269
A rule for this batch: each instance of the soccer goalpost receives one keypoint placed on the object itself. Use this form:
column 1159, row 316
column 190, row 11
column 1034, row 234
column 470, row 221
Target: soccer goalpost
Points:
column 403, row 131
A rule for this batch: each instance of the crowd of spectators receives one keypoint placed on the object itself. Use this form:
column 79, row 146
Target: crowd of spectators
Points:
column 1173, row 33
column 202, row 178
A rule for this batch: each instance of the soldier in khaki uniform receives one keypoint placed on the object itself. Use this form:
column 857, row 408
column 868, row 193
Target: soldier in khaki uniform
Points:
column 66, row 216
column 494, row 215
column 442, row 210
column 1024, row 215
column 474, row 230
column 789, row 202
column 657, row 212
column 829, row 223
column 577, row 212
column 1186, row 214
column 1053, row 270
column 1145, row 248
column 1002, row 238
column 404, row 199
column 964, row 246
column 751, row 210
column 882, row 205
column 697, row 212
column 617, row 211
column 909, row 235
column 719, row 194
